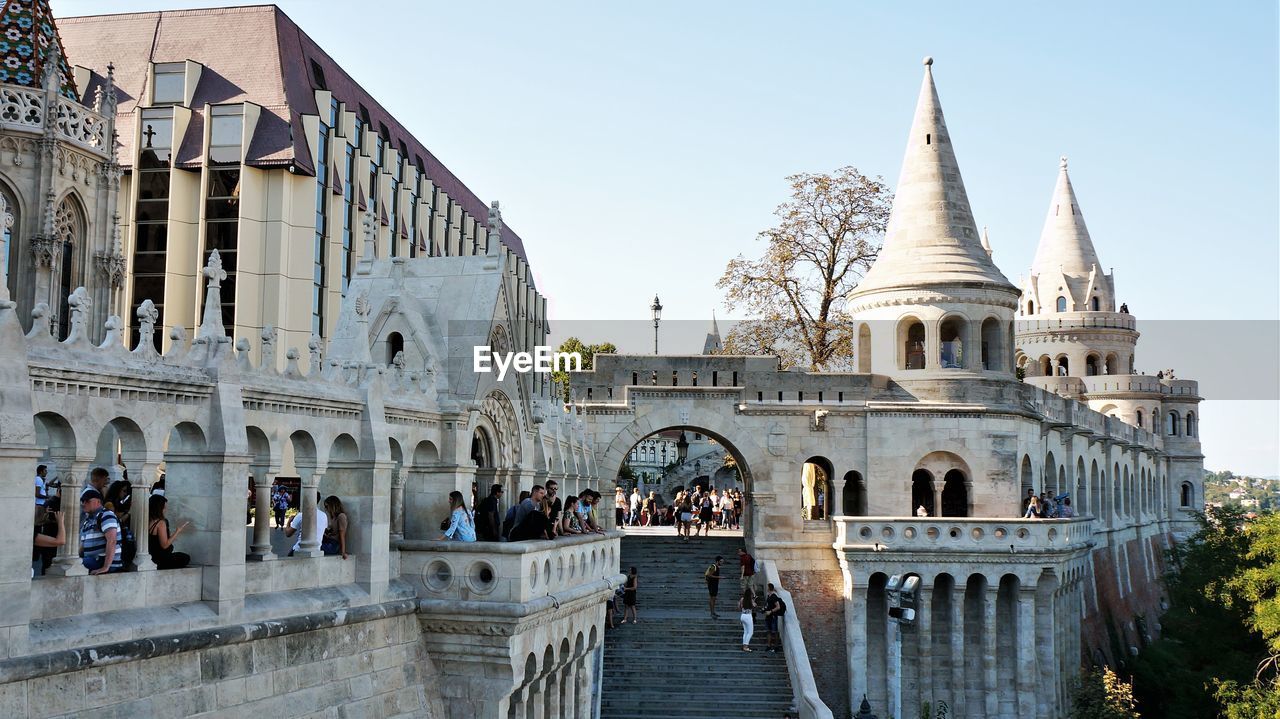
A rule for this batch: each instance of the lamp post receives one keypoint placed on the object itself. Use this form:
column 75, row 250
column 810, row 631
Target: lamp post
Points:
column 682, row 448
column 901, row 591
column 656, row 308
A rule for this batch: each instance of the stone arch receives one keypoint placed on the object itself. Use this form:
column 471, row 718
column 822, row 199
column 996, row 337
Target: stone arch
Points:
column 922, row 493
column 911, row 344
column 948, row 470
column 70, row 254
column 877, row 605
column 1173, row 424
column 305, row 458
column 530, row 668
column 1112, row 364
column 1064, row 365
column 259, row 448
column 864, row 348
column 1191, row 428
column 945, row 662
column 121, row 437
column 854, row 501
column 56, row 436
column 956, row 501
column 1046, row 366
column 815, row 487
column 1008, row 644
column 11, row 214
column 425, row 454
column 1186, row 495
column 1081, row 500
column 976, row 627
column 1028, row 483
column 992, row 348
column 1092, row 364
column 344, row 449
column 497, row 412
column 953, row 337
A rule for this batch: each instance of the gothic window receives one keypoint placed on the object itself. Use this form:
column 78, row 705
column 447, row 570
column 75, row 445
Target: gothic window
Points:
column 395, row 345
column 8, row 221
column 1031, row 308
column 68, row 231
column 1062, row 304
column 1095, row 304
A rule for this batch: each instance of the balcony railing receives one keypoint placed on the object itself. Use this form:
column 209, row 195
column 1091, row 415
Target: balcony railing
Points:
column 961, row 534
column 23, row 109
column 515, row 572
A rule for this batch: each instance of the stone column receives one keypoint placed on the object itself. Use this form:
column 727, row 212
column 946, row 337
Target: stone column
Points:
column 989, row 649
column 855, row 622
column 139, row 510
column 551, row 693
column 957, row 648
column 582, row 687
column 397, row 502
column 310, row 544
column 261, row 547
column 517, row 710
column 924, row 632
column 1030, row 701
column 537, row 690
column 68, row 562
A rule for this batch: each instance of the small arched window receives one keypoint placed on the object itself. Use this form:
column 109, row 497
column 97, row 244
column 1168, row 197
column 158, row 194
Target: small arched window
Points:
column 1171, row 425
column 913, row 347
column 1188, row 494
column 1031, row 308
column 1191, row 424
column 951, row 346
column 1062, row 304
column 1140, row 419
column 395, row 345
column 1095, row 304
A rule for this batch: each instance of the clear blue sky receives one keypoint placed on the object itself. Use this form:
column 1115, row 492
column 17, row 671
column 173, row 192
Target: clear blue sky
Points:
column 636, row 147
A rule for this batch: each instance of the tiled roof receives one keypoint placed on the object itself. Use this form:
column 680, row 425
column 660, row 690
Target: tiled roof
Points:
column 254, row 54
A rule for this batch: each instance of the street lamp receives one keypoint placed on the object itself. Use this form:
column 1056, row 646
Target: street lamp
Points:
column 656, row 308
column 682, row 448
column 901, row 591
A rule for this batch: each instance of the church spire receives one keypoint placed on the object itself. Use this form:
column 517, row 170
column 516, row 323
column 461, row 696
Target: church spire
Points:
column 1065, row 244
column 33, row 49
column 712, row 344
column 931, row 238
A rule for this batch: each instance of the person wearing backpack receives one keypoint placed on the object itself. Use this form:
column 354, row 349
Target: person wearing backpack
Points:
column 748, row 564
column 712, row 575
column 99, row 535
column 774, row 609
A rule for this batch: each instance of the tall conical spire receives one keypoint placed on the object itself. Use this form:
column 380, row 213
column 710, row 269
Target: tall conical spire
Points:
column 931, row 238
column 712, row 344
column 1065, row 243
column 33, row 48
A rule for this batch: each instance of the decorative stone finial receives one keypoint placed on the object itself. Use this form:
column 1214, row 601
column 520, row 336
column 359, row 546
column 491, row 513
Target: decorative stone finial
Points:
column 928, row 60
column 147, row 316
column 1063, row 160
column 211, row 327
column 80, row 304
column 316, row 348
column 268, row 349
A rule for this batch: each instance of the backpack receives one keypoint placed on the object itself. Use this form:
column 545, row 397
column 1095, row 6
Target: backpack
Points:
column 759, row 567
column 782, row 606
column 711, row 572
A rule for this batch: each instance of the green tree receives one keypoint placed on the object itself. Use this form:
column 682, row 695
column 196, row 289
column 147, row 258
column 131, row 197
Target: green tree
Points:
column 1103, row 695
column 1208, row 638
column 588, row 352
column 1258, row 584
column 827, row 236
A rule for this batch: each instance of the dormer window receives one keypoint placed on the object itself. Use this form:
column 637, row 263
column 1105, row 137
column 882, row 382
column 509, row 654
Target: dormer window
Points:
column 1062, row 304
column 171, row 84
column 1094, row 302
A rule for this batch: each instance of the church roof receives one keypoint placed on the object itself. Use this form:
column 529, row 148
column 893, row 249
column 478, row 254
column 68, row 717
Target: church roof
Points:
column 28, row 39
column 1065, row 244
column 250, row 54
column 931, row 237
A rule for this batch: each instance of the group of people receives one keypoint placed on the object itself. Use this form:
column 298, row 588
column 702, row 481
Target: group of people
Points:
column 1046, row 507
column 107, row 541
column 540, row 513
column 698, row 509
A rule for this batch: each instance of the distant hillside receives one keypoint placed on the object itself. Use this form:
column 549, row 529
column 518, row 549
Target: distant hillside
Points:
column 1226, row 488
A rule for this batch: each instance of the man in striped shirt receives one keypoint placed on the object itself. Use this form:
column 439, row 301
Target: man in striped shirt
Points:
column 99, row 535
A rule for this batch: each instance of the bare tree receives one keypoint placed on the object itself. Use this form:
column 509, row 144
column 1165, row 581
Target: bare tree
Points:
column 828, row 235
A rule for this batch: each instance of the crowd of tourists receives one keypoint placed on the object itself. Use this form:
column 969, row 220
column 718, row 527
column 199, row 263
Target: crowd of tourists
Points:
column 697, row 510
column 1044, row 506
column 540, row 513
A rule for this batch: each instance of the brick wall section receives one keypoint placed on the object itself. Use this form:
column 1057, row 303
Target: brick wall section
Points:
column 1124, row 616
column 819, row 595
column 375, row 669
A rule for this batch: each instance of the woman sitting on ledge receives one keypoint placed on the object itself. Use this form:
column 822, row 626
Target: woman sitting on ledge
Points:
column 160, row 540
column 460, row 527
column 570, row 522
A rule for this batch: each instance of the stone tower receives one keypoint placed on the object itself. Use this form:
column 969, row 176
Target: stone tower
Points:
column 1071, row 327
column 934, row 301
column 712, row 344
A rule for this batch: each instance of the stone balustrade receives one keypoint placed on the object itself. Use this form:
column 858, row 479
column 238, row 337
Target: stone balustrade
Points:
column 512, row 572
column 1077, row 321
column 23, row 110
column 961, row 534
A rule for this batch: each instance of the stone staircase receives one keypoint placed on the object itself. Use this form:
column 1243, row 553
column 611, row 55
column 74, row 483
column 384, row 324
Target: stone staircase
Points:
column 677, row 662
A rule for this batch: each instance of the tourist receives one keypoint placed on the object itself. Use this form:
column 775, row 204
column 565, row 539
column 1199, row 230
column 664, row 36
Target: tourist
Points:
column 684, row 513
column 119, row 499
column 1026, row 501
column 921, row 511
column 1033, row 508
column 459, row 526
column 99, row 535
column 509, row 521
column 746, row 605
column 1046, row 505
column 158, row 489
column 590, row 518
column 634, row 519
column 748, row 566
column 774, row 608
column 712, row 575
column 98, row 480
column 536, row 524
column 738, row 507
column 50, row 533
column 629, row 597
column 488, row 513
column 334, row 540
column 706, row 514
column 570, row 520
column 556, row 505
column 529, row 504
column 280, row 505
column 322, row 523
column 160, row 539
column 649, row 510
column 620, row 507
column 1067, row 512
column 42, row 489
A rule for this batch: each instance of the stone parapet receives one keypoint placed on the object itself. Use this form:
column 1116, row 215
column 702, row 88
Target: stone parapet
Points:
column 961, row 534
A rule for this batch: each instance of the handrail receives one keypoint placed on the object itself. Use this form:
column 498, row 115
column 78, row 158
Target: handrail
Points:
column 804, row 689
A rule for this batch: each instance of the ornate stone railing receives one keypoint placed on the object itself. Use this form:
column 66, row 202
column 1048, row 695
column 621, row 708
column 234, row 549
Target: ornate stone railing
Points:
column 514, row 572
column 961, row 534
column 1077, row 320
column 24, row 109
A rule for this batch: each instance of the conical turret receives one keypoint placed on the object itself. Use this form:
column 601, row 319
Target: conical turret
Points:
column 931, row 238
column 1064, row 243
column 32, row 43
column 712, row 344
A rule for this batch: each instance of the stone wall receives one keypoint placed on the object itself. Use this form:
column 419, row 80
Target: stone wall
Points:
column 1127, row 597
column 819, row 605
column 363, row 662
